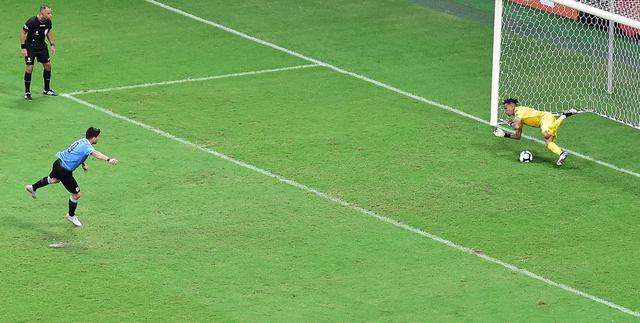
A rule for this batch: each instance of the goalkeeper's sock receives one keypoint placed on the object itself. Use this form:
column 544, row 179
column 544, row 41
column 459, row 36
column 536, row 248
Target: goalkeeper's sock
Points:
column 72, row 206
column 554, row 148
column 43, row 182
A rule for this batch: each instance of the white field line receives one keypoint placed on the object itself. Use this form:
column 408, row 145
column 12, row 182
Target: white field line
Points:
column 369, row 80
column 346, row 204
column 206, row 78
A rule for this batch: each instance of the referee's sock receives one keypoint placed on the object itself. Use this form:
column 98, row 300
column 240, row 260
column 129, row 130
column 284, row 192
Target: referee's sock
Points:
column 47, row 79
column 27, row 82
column 43, row 182
column 72, row 206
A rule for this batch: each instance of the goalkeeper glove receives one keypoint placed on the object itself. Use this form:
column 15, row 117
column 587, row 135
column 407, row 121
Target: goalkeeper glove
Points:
column 500, row 133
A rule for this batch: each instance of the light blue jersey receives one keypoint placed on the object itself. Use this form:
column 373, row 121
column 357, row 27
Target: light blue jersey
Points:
column 76, row 154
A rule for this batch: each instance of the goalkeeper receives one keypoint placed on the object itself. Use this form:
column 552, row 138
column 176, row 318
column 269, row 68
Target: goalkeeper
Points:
column 546, row 121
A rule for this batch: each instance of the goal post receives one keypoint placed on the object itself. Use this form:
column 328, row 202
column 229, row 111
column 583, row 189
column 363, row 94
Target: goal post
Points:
column 554, row 55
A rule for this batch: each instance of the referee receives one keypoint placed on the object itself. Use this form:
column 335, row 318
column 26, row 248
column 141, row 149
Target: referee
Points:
column 34, row 48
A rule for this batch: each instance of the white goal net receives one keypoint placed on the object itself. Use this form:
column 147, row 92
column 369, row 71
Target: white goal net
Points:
column 554, row 55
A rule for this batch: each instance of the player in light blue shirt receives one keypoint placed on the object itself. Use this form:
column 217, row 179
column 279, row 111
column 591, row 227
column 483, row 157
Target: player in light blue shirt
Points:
column 68, row 160
column 76, row 154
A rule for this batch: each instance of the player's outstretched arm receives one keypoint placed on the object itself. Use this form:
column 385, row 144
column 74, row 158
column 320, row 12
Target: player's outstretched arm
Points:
column 517, row 125
column 102, row 156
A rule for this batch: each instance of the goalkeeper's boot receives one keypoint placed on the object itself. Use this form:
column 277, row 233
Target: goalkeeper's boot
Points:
column 562, row 158
column 30, row 189
column 50, row 92
column 73, row 219
column 570, row 112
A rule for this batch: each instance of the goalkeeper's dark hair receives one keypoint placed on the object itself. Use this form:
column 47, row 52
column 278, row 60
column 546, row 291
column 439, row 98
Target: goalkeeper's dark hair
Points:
column 510, row 100
column 92, row 132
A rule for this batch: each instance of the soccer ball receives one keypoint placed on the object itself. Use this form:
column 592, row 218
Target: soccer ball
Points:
column 526, row 156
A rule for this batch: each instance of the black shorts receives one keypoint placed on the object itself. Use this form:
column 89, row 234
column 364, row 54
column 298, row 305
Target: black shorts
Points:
column 42, row 55
column 65, row 176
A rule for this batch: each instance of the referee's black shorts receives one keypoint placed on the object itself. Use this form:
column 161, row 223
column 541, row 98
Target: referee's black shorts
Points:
column 65, row 176
column 42, row 55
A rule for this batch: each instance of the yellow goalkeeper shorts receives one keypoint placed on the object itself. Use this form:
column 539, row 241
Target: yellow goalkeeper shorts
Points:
column 548, row 124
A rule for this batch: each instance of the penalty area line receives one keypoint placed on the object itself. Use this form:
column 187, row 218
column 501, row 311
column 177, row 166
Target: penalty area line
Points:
column 197, row 79
column 359, row 209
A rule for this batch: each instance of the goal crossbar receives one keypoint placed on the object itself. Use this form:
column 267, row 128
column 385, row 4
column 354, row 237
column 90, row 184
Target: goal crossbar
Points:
column 599, row 13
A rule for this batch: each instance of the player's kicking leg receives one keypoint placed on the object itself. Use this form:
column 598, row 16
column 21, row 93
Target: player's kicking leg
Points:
column 31, row 189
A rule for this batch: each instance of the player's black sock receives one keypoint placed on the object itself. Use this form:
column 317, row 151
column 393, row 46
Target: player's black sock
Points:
column 47, row 79
column 72, row 206
column 27, row 82
column 43, row 182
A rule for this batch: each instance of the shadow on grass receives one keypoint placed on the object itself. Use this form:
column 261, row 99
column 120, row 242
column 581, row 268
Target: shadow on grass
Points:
column 45, row 234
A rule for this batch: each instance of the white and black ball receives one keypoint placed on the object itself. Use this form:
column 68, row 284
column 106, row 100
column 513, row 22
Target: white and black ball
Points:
column 525, row 156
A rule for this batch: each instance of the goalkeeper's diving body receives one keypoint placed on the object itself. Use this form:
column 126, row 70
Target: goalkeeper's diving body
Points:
column 546, row 121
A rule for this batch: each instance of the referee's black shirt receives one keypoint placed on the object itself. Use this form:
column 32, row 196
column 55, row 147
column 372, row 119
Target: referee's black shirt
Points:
column 36, row 31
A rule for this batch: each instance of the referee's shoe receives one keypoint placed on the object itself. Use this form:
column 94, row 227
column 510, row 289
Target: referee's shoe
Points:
column 50, row 92
column 27, row 96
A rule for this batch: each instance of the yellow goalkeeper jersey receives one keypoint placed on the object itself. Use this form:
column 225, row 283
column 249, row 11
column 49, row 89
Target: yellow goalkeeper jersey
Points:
column 532, row 117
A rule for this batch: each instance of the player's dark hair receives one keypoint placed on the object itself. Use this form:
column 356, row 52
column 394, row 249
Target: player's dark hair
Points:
column 44, row 6
column 92, row 132
column 510, row 100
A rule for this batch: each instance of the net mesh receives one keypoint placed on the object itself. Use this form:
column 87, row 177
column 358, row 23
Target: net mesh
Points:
column 554, row 58
column 625, row 8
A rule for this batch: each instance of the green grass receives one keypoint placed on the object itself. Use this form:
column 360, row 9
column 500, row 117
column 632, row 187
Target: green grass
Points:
column 176, row 234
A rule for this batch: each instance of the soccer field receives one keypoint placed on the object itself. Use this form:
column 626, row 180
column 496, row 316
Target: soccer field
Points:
column 346, row 175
